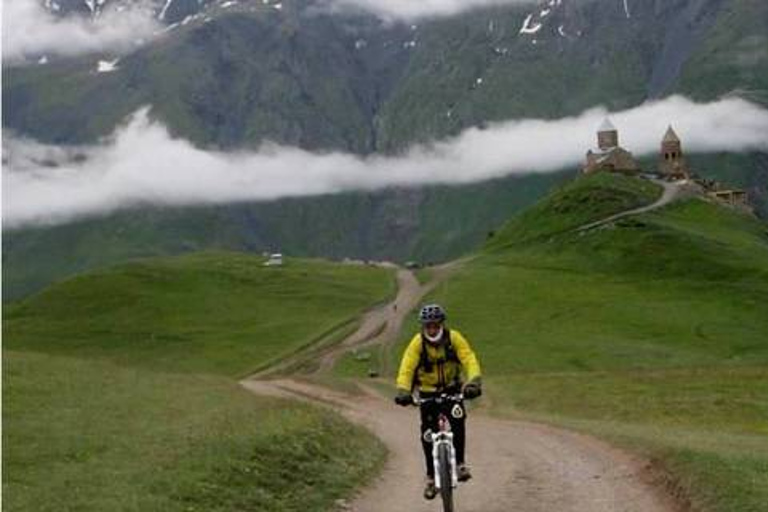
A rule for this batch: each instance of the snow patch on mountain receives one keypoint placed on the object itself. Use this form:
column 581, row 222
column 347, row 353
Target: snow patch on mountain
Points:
column 535, row 21
column 107, row 66
column 529, row 27
column 164, row 10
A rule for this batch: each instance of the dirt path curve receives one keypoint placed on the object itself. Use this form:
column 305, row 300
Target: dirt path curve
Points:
column 518, row 466
column 378, row 327
column 671, row 192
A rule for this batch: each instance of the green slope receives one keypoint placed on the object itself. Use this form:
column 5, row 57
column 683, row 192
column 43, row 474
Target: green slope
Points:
column 211, row 312
column 118, row 390
column 576, row 203
column 432, row 224
column 90, row 436
column 652, row 332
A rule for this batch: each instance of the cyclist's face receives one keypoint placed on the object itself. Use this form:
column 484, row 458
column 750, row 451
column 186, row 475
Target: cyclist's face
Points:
column 432, row 328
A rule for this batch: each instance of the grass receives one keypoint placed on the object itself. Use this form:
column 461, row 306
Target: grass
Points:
column 222, row 313
column 357, row 363
column 118, row 389
column 423, row 275
column 446, row 222
column 578, row 202
column 89, row 435
column 652, row 332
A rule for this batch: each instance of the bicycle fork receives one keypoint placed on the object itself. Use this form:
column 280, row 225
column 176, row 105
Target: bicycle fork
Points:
column 438, row 440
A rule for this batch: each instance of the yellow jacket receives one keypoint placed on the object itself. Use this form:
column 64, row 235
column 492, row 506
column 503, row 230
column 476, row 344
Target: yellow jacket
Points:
column 439, row 367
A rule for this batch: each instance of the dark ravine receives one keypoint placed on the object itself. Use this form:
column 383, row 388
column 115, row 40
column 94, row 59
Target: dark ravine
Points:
column 688, row 26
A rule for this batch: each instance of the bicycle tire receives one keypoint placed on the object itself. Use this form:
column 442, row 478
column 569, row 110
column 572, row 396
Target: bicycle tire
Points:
column 446, row 487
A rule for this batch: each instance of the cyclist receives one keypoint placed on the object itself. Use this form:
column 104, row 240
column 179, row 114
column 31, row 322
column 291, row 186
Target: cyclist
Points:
column 433, row 363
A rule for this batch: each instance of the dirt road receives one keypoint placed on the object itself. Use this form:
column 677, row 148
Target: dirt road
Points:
column 671, row 192
column 518, row 466
column 378, row 327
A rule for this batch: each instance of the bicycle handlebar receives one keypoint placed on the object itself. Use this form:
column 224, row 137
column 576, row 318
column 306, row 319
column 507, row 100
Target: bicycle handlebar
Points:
column 458, row 397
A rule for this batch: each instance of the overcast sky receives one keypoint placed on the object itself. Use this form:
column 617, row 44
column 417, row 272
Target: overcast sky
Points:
column 142, row 164
column 29, row 30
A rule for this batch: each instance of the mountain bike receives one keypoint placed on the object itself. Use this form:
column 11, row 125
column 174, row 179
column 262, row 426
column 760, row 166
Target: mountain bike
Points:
column 443, row 451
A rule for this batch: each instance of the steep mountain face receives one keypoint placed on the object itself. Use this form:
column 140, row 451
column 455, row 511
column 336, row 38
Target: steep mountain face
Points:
column 251, row 73
column 247, row 72
column 230, row 74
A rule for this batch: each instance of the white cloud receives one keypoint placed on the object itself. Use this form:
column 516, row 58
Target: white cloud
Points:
column 29, row 30
column 415, row 9
column 142, row 164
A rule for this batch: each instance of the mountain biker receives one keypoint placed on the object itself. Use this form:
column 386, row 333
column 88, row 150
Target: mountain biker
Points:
column 433, row 363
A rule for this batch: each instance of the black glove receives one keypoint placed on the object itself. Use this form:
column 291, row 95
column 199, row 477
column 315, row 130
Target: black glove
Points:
column 473, row 389
column 404, row 398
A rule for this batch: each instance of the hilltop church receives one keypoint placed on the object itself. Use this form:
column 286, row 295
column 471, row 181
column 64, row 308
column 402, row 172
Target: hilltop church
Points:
column 672, row 165
column 611, row 157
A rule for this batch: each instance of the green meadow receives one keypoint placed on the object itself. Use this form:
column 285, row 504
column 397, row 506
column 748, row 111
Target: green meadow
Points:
column 89, row 435
column 222, row 313
column 120, row 388
column 651, row 332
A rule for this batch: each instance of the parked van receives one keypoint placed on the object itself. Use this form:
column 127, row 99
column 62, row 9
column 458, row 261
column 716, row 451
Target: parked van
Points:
column 275, row 260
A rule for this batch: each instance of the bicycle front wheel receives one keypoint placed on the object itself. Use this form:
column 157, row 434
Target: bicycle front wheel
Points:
column 446, row 479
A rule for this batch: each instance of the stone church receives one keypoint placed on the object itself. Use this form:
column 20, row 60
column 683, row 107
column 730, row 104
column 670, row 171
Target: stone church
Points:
column 672, row 166
column 609, row 155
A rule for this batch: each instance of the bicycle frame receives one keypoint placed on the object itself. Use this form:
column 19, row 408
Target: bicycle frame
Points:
column 443, row 437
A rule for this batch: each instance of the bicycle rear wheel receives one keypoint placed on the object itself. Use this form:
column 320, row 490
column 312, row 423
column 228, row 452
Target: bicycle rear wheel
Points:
column 446, row 480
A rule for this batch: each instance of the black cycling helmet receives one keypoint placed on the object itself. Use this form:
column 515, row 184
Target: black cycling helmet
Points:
column 432, row 313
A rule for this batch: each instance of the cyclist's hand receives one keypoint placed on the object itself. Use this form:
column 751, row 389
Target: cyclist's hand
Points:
column 404, row 398
column 473, row 389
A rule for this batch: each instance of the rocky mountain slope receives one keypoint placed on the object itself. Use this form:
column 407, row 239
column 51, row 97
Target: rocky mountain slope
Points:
column 240, row 74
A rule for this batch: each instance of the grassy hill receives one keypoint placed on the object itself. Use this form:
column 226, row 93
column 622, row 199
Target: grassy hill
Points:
column 119, row 391
column 89, row 436
column 221, row 313
column 652, row 332
column 431, row 224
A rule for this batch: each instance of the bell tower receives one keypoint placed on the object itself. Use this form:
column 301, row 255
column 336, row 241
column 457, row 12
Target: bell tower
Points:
column 671, row 160
column 607, row 136
column 671, row 148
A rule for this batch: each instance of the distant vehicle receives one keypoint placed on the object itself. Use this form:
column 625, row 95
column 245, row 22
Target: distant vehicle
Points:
column 275, row 260
column 412, row 264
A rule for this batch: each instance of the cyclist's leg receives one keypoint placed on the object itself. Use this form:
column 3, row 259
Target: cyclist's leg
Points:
column 428, row 425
